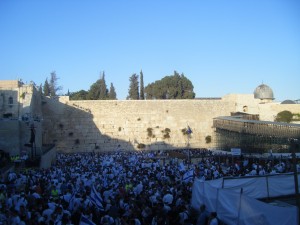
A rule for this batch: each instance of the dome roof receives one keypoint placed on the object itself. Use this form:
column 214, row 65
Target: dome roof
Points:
column 263, row 92
column 288, row 102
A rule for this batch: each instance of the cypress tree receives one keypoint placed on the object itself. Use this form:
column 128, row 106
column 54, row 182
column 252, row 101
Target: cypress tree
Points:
column 142, row 95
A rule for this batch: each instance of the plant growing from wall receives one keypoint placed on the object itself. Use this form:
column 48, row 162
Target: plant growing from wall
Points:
column 166, row 133
column 184, row 131
column 23, row 95
column 77, row 141
column 120, row 128
column 150, row 132
column 208, row 139
column 141, row 146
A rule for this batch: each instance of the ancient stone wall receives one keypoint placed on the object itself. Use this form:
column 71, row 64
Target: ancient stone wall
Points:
column 9, row 136
column 112, row 124
column 20, row 108
column 104, row 125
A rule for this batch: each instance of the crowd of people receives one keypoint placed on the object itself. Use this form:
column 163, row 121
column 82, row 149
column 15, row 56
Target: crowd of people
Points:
column 120, row 188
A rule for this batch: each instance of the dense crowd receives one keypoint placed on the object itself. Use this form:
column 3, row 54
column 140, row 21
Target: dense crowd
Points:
column 119, row 188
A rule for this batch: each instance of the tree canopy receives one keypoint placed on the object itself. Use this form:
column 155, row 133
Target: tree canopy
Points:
column 284, row 116
column 133, row 92
column 142, row 89
column 79, row 95
column 98, row 90
column 54, row 88
column 112, row 95
column 171, row 87
column 46, row 88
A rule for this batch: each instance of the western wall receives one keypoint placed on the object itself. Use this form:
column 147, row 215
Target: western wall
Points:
column 157, row 124
column 105, row 125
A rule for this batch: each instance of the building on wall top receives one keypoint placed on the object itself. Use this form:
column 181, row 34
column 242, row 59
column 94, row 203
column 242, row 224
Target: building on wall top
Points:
column 264, row 93
column 288, row 102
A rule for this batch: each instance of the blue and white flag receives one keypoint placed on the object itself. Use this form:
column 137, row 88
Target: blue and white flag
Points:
column 181, row 167
column 96, row 199
column 189, row 130
column 85, row 221
column 188, row 176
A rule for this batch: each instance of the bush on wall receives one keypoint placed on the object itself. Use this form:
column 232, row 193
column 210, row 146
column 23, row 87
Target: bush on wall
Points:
column 141, row 146
column 208, row 139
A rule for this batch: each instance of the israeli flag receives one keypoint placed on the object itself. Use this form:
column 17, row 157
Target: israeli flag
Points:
column 181, row 167
column 188, row 176
column 96, row 199
column 189, row 130
column 85, row 221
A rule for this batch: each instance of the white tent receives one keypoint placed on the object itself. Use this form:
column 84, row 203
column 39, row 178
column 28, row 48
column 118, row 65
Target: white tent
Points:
column 235, row 200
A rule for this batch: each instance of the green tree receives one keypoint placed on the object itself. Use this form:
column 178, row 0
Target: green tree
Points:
column 94, row 92
column 54, row 88
column 79, row 95
column 46, row 88
column 284, row 116
column 103, row 89
column 171, row 87
column 142, row 95
column 133, row 92
column 41, row 89
column 112, row 92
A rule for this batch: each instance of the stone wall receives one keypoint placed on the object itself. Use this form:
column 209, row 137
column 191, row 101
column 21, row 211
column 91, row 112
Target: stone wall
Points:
column 9, row 84
column 112, row 124
column 48, row 159
column 103, row 125
column 9, row 136
column 25, row 111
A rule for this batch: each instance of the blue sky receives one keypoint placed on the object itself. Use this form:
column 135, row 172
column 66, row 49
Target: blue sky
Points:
column 223, row 47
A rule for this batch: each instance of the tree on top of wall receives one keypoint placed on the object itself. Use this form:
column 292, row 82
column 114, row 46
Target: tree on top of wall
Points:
column 98, row 90
column 46, row 88
column 171, row 87
column 112, row 92
column 142, row 95
column 133, row 92
column 103, row 89
column 284, row 116
column 54, row 88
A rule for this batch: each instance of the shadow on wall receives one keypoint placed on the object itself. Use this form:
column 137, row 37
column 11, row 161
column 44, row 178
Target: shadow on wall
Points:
column 72, row 129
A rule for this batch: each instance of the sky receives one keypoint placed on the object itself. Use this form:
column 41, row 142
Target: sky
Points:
column 222, row 47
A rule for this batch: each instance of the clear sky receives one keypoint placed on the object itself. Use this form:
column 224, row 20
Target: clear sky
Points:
column 222, row 46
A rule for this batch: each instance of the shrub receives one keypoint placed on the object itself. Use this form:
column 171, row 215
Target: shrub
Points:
column 208, row 139
column 141, row 146
column 284, row 116
column 149, row 131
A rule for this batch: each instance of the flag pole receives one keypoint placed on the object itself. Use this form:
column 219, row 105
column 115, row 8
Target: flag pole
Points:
column 188, row 145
